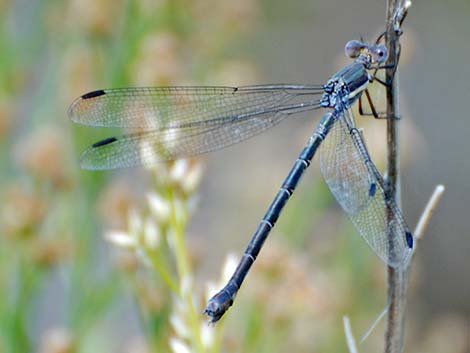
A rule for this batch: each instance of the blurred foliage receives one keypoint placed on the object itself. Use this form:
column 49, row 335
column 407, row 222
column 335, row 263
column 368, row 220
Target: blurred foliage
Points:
column 62, row 286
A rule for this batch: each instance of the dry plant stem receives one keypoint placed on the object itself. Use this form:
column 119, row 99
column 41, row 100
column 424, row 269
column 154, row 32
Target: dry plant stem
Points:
column 352, row 347
column 428, row 211
column 396, row 289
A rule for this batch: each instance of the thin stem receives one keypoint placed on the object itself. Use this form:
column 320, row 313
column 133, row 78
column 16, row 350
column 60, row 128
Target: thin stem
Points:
column 164, row 273
column 428, row 211
column 352, row 347
column 179, row 221
column 396, row 11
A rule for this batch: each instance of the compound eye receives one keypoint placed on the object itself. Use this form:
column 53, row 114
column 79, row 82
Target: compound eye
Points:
column 381, row 53
column 354, row 48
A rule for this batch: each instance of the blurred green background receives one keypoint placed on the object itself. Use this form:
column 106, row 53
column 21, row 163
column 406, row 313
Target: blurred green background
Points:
column 120, row 261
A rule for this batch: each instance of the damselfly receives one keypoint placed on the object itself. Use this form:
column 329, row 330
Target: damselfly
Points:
column 178, row 122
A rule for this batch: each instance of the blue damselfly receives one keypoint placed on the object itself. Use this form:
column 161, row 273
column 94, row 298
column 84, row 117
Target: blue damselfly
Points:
column 177, row 122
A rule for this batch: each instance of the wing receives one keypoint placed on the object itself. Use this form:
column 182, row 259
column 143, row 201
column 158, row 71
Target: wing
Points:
column 177, row 122
column 359, row 188
column 164, row 107
column 147, row 148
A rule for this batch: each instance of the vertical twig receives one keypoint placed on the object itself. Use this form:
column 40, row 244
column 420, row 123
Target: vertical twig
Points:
column 396, row 11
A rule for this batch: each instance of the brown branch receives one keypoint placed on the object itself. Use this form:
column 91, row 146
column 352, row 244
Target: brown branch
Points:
column 397, row 287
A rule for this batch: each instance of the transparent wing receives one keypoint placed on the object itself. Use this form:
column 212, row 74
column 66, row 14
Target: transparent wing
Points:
column 149, row 147
column 170, row 107
column 358, row 187
column 178, row 122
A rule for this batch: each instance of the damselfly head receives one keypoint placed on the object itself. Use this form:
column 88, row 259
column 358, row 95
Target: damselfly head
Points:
column 372, row 53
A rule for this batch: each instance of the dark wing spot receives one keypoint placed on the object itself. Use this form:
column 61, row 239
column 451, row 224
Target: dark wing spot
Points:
column 93, row 94
column 104, row 142
column 372, row 189
column 409, row 239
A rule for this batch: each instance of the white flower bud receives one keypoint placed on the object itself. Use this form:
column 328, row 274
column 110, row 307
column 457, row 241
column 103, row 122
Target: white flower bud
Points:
column 159, row 207
column 178, row 346
column 179, row 170
column 121, row 239
column 192, row 178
